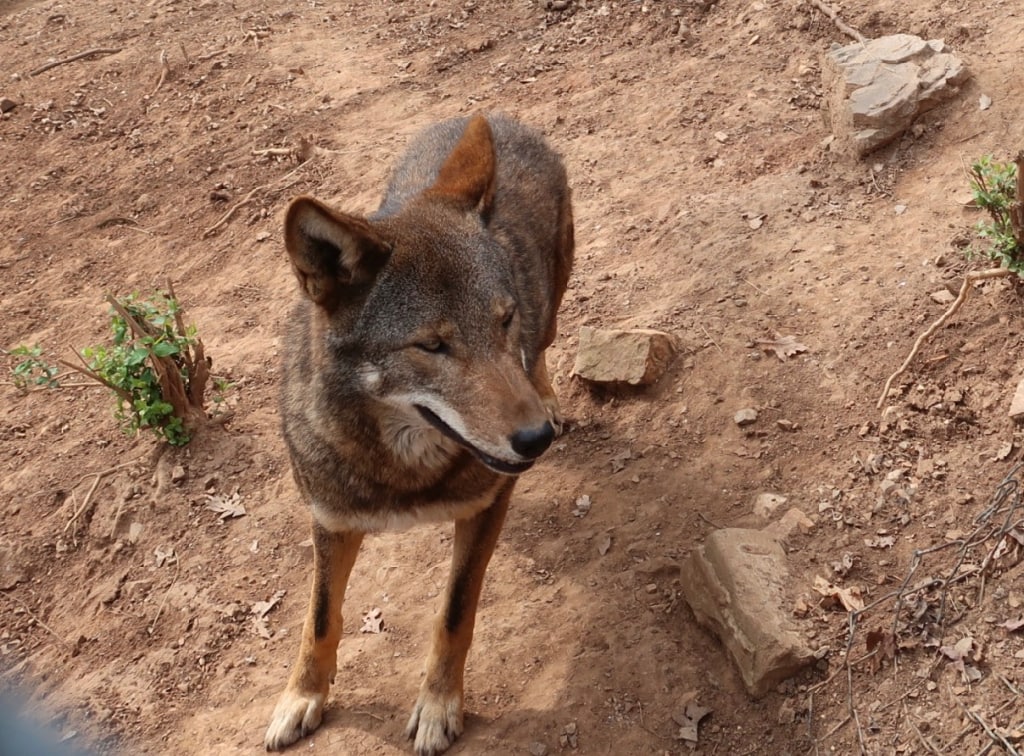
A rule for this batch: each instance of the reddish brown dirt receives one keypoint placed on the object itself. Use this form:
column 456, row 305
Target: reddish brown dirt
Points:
column 112, row 173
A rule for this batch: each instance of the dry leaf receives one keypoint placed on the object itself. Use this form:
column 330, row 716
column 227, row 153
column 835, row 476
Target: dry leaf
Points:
column 688, row 720
column 373, row 621
column 619, row 460
column 259, row 626
column 881, row 542
column 885, row 644
column 165, row 557
column 783, row 346
column 225, row 506
column 1014, row 625
column 843, row 566
column 261, row 608
column 582, row 506
column 849, row 598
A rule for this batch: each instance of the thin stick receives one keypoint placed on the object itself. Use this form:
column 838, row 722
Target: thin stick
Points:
column 274, row 151
column 248, row 198
column 163, row 72
column 844, row 28
column 920, row 736
column 709, row 338
column 208, row 56
column 73, row 58
column 234, row 209
column 965, row 288
column 84, row 369
column 35, row 619
column 95, row 484
column 709, row 521
column 160, row 609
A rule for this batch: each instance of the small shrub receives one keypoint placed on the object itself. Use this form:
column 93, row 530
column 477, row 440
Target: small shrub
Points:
column 996, row 189
column 154, row 365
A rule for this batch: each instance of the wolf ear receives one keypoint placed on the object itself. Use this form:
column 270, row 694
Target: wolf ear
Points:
column 330, row 251
column 466, row 177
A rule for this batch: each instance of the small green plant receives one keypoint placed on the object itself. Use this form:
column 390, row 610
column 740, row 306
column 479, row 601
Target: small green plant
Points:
column 154, row 365
column 33, row 370
column 997, row 190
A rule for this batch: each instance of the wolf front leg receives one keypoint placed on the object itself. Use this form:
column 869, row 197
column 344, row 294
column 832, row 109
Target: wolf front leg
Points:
column 436, row 719
column 300, row 707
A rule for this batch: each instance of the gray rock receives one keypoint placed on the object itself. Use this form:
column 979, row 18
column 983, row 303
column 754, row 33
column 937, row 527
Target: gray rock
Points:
column 637, row 357
column 7, row 104
column 746, row 416
column 875, row 90
column 736, row 586
column 14, row 565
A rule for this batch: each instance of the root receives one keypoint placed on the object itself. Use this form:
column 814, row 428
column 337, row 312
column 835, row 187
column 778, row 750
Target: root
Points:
column 840, row 25
column 965, row 288
column 73, row 58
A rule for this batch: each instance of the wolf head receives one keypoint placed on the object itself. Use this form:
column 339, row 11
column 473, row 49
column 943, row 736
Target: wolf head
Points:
column 419, row 314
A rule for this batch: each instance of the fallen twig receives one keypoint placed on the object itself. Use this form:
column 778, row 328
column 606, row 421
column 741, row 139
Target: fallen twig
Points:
column 995, row 735
column 163, row 73
column 95, row 484
column 840, row 25
column 35, row 619
column 208, row 56
column 249, row 197
column 73, row 58
column 965, row 288
column 274, row 151
column 160, row 609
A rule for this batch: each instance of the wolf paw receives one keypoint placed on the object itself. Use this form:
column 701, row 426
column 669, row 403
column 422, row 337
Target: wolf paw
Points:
column 435, row 723
column 295, row 716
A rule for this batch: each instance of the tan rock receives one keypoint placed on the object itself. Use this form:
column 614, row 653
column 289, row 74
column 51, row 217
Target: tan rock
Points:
column 635, row 357
column 736, row 584
column 1017, row 403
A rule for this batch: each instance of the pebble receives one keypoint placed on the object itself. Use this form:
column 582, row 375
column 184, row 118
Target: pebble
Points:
column 745, row 417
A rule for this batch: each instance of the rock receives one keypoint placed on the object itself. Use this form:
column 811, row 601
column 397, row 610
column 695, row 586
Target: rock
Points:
column 1017, row 403
column 736, row 586
column 636, row 357
column 178, row 474
column 793, row 520
column 875, row 90
column 765, row 504
column 746, row 416
column 7, row 104
column 942, row 297
column 14, row 565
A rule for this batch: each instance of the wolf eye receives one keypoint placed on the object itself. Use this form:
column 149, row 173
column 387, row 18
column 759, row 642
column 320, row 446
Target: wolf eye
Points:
column 434, row 346
column 506, row 322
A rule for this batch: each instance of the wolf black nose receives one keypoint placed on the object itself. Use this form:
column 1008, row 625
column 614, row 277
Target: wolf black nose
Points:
column 532, row 442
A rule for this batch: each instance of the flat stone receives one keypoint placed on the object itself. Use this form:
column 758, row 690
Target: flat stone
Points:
column 1017, row 403
column 789, row 523
column 746, row 416
column 736, row 584
column 875, row 90
column 766, row 503
column 634, row 357
column 942, row 296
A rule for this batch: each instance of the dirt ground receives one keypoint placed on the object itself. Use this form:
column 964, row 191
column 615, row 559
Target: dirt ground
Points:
column 706, row 206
